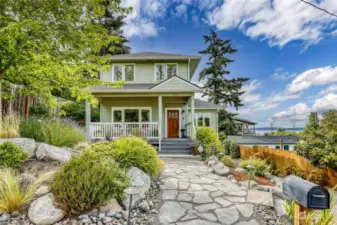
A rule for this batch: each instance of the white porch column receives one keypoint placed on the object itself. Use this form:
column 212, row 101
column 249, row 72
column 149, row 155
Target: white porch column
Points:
column 87, row 118
column 160, row 119
column 192, row 117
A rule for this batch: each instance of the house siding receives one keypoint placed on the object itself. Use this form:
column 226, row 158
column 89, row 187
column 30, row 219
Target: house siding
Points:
column 175, row 84
column 144, row 72
column 168, row 102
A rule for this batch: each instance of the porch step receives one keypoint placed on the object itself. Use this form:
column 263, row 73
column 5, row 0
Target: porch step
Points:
column 175, row 146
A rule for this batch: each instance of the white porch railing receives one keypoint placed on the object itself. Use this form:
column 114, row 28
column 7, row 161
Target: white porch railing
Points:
column 116, row 130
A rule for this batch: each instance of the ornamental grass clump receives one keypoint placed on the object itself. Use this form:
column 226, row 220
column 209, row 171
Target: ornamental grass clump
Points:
column 88, row 181
column 15, row 194
column 57, row 132
column 9, row 126
column 261, row 167
column 12, row 155
column 129, row 152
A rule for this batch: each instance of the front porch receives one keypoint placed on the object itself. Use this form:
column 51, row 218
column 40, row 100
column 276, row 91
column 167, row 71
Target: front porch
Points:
column 150, row 117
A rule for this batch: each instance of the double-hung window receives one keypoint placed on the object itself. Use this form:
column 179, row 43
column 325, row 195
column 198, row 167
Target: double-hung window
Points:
column 165, row 70
column 131, row 115
column 203, row 120
column 123, row 72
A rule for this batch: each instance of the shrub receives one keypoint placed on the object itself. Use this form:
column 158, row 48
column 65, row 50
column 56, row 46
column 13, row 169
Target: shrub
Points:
column 222, row 136
column 81, row 146
column 317, row 176
column 234, row 150
column 260, row 165
column 227, row 147
column 130, row 151
column 76, row 111
column 207, row 137
column 12, row 155
column 31, row 128
column 39, row 110
column 62, row 133
column 227, row 160
column 294, row 170
column 88, row 181
column 14, row 193
column 9, row 126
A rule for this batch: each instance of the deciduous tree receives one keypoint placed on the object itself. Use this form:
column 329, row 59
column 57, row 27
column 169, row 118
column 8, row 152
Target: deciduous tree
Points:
column 53, row 45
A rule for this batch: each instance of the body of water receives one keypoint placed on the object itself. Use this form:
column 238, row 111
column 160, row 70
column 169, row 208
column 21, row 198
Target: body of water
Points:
column 263, row 130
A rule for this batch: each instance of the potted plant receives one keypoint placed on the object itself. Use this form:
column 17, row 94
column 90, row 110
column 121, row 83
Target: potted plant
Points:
column 194, row 148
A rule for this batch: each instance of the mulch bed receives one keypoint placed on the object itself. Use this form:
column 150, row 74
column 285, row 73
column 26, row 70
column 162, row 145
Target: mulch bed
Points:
column 240, row 176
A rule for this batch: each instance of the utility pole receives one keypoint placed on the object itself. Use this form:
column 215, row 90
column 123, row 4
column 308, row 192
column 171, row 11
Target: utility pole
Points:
column 271, row 127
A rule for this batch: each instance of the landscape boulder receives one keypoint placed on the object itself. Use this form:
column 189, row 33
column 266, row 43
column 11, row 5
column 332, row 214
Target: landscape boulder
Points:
column 112, row 206
column 142, row 182
column 43, row 212
column 49, row 152
column 27, row 144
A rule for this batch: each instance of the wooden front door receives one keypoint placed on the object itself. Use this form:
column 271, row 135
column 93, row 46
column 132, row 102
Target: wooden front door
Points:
column 172, row 123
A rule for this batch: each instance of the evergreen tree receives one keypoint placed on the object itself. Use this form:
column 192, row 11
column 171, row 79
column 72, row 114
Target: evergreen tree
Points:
column 113, row 23
column 218, row 88
column 227, row 123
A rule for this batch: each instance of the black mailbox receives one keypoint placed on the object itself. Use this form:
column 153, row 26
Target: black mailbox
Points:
column 307, row 194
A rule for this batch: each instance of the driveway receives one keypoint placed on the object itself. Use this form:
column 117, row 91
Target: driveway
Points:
column 193, row 195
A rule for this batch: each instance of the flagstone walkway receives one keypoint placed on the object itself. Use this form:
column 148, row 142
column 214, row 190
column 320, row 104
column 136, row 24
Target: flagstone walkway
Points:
column 193, row 195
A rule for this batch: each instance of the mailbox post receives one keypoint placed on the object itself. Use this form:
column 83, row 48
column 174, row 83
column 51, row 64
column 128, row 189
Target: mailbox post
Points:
column 307, row 195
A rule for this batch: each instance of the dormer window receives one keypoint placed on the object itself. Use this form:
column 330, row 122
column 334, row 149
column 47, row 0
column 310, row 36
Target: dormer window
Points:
column 165, row 70
column 123, row 72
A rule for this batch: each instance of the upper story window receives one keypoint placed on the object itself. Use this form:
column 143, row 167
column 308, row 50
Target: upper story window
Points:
column 165, row 70
column 123, row 72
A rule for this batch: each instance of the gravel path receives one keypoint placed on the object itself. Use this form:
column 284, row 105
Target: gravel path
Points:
column 193, row 195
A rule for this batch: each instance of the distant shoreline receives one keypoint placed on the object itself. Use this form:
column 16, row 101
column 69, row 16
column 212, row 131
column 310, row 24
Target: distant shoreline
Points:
column 263, row 130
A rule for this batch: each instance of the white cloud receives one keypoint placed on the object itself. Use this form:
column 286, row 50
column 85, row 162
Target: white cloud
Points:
column 317, row 76
column 325, row 103
column 279, row 21
column 181, row 11
column 249, row 89
column 300, row 111
column 141, row 28
column 280, row 74
column 330, row 89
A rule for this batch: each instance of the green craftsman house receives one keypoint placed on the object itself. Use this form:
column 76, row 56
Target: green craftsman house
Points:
column 157, row 101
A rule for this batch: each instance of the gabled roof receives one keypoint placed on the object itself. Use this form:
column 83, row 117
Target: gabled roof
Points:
column 201, row 104
column 176, row 83
column 249, row 139
column 172, row 84
column 244, row 120
column 153, row 55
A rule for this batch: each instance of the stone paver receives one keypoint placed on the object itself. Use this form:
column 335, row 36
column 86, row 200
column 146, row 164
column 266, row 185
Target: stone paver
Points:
column 260, row 197
column 194, row 195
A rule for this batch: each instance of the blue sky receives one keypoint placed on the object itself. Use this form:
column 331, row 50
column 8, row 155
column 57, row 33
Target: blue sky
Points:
column 287, row 48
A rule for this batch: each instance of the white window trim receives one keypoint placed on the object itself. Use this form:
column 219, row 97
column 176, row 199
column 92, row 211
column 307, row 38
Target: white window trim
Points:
column 165, row 71
column 203, row 119
column 123, row 113
column 123, row 72
column 166, row 118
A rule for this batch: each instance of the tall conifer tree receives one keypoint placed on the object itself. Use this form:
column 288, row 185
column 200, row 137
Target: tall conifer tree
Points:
column 218, row 88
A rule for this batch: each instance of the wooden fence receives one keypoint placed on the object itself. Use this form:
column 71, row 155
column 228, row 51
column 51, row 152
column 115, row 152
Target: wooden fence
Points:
column 283, row 159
